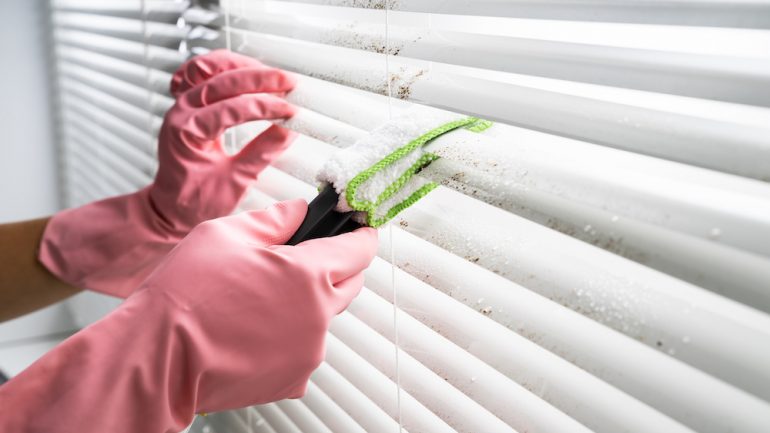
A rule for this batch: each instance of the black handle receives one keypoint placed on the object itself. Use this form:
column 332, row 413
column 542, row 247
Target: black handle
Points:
column 322, row 220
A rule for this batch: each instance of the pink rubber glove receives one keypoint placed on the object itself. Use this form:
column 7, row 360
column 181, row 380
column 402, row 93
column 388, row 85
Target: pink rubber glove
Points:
column 228, row 319
column 110, row 246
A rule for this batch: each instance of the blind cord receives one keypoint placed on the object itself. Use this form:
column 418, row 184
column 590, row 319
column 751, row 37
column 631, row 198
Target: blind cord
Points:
column 390, row 231
column 148, row 86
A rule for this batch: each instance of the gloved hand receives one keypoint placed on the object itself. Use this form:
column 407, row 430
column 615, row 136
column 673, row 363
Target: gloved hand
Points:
column 111, row 245
column 230, row 318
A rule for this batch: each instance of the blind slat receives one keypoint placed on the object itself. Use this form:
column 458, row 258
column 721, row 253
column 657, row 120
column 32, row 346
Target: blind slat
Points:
column 463, row 371
column 739, row 13
column 329, row 412
column 626, row 184
column 94, row 172
column 577, row 258
column 614, row 201
column 153, row 10
column 579, row 394
column 134, row 73
column 156, row 57
column 128, row 132
column 159, row 34
column 305, row 419
column 135, row 95
column 455, row 408
column 658, row 70
column 508, row 99
column 232, row 422
column 132, row 115
column 276, row 418
column 367, row 414
column 121, row 171
column 378, row 387
column 138, row 159
column 85, row 178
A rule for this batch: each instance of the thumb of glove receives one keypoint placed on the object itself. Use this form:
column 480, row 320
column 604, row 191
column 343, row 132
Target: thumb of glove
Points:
column 274, row 225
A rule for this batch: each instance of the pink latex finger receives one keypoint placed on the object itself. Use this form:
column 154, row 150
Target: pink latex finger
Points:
column 233, row 83
column 212, row 120
column 276, row 224
column 342, row 256
column 345, row 291
column 264, row 149
column 200, row 68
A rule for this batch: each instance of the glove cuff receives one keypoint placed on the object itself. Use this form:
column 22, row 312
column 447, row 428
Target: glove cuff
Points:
column 109, row 369
column 109, row 246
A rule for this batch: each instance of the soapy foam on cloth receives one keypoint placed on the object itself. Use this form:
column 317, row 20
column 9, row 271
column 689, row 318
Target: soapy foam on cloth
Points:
column 348, row 163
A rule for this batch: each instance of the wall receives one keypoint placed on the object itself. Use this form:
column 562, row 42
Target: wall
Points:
column 28, row 169
column 27, row 166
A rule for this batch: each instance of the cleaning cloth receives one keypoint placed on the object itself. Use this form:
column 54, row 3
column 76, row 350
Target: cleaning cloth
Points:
column 375, row 177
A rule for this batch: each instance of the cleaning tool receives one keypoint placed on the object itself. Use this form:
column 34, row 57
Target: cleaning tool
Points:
column 370, row 182
column 110, row 246
column 229, row 318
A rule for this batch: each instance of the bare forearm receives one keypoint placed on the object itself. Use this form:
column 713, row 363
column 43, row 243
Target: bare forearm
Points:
column 25, row 284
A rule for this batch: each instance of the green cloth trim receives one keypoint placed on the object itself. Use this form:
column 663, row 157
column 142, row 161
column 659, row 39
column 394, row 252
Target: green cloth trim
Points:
column 479, row 125
column 471, row 123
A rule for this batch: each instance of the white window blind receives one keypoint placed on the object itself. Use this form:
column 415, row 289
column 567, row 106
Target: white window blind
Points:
column 113, row 64
column 599, row 260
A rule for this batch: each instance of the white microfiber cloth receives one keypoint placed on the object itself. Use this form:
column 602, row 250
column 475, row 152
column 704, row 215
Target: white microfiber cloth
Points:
column 375, row 176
